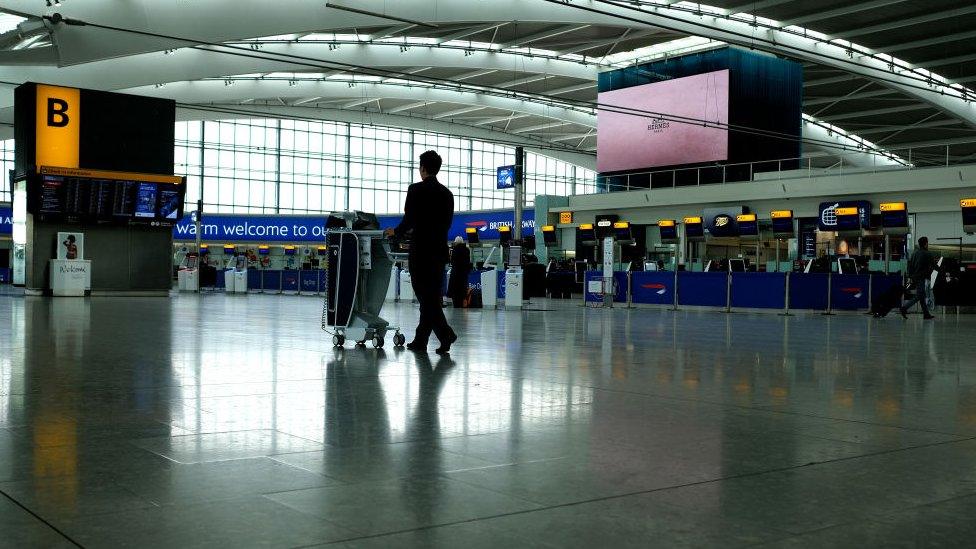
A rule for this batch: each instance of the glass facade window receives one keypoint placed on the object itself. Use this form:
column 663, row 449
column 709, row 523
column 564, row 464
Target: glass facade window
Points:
column 262, row 166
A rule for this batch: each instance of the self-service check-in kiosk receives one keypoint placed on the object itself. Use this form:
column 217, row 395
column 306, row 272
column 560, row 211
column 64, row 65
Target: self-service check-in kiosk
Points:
column 188, row 277
column 235, row 278
column 514, row 279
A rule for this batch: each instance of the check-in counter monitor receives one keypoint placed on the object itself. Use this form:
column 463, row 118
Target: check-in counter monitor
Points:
column 782, row 221
column 471, row 235
column 669, row 230
column 737, row 265
column 968, row 214
column 847, row 266
column 504, row 235
column 894, row 218
column 622, row 232
column 748, row 225
column 586, row 234
column 694, row 228
column 549, row 236
column 264, row 250
column 848, row 220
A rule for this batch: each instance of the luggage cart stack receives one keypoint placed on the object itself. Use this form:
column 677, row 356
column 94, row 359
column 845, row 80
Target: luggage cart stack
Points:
column 360, row 262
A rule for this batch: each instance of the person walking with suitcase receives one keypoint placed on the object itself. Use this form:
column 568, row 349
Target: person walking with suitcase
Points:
column 920, row 267
column 427, row 213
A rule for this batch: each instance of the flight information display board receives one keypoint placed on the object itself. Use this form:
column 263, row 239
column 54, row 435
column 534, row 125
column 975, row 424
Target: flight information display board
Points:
column 89, row 196
column 968, row 214
column 694, row 227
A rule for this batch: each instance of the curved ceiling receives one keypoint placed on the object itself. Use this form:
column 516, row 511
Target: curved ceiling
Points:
column 429, row 62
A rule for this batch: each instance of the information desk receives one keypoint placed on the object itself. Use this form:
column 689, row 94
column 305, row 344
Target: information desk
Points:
column 652, row 287
column 620, row 281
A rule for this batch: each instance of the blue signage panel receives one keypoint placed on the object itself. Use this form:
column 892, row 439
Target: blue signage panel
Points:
column 292, row 228
column 6, row 220
column 827, row 219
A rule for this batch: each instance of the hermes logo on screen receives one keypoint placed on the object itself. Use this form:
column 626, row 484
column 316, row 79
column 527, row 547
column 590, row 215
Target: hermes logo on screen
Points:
column 658, row 125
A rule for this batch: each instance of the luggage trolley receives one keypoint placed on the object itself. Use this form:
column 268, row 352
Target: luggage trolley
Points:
column 360, row 263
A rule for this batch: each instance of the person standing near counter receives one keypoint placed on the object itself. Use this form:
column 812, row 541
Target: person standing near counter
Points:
column 427, row 214
column 920, row 267
column 460, row 269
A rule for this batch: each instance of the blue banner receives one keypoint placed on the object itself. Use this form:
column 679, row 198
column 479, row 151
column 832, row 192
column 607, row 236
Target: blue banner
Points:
column 6, row 220
column 294, row 228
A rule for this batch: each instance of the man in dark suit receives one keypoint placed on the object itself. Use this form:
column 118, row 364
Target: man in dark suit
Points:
column 428, row 213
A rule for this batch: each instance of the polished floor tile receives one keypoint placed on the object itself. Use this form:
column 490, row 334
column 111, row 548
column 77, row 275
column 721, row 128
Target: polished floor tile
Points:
column 212, row 420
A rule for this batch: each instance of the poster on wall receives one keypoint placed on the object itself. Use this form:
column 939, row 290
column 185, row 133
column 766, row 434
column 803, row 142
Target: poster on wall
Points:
column 71, row 246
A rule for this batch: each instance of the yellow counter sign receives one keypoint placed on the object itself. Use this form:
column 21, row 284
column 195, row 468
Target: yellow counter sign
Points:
column 548, row 229
column 621, row 225
column 848, row 211
column 893, row 206
column 745, row 217
column 693, row 220
column 665, row 223
column 968, row 202
column 57, row 123
column 781, row 214
column 565, row 218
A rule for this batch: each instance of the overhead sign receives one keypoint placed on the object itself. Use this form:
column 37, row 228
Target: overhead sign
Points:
column 57, row 126
column 894, row 217
column 299, row 228
column 669, row 230
column 720, row 222
column 827, row 219
column 748, row 224
column 565, row 218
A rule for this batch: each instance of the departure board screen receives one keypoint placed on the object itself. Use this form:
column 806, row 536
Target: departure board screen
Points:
column 103, row 200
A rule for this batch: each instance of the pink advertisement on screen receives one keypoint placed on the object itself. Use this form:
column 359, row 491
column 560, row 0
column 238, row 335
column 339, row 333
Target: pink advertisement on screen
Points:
column 634, row 142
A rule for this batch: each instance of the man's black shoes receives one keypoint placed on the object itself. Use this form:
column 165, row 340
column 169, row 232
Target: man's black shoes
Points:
column 446, row 347
column 417, row 346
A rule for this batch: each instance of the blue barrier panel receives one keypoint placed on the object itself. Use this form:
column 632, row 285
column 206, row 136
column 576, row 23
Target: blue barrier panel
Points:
column 759, row 290
column 272, row 281
column 652, row 287
column 703, row 289
column 620, row 281
column 5, row 276
column 253, row 279
column 849, row 292
column 289, row 281
column 220, row 278
column 808, row 291
column 309, row 281
column 501, row 283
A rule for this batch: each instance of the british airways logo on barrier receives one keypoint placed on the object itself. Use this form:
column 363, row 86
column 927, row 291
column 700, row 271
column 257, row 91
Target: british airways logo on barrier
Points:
column 661, row 288
column 856, row 292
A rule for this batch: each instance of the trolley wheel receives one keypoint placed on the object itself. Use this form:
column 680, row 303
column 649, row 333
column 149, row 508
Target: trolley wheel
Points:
column 338, row 340
column 377, row 342
column 399, row 340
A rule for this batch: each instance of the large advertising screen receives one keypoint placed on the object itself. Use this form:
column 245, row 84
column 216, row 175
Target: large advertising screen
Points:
column 641, row 141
